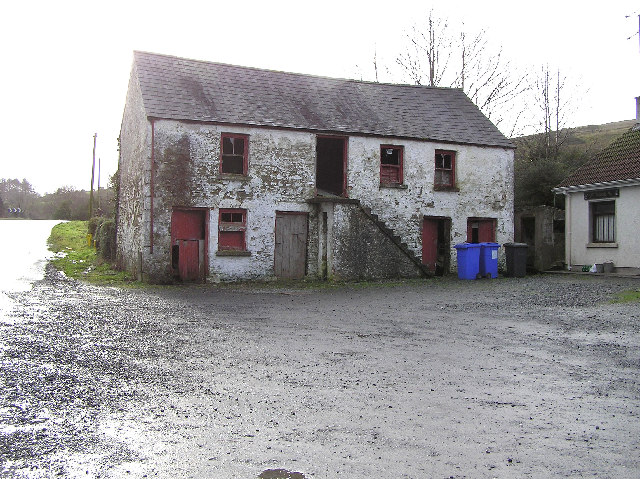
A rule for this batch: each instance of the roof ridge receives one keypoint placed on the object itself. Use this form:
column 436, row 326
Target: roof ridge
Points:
column 310, row 75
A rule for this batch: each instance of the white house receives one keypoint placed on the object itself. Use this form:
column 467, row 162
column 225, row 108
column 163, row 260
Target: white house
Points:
column 602, row 207
column 230, row 173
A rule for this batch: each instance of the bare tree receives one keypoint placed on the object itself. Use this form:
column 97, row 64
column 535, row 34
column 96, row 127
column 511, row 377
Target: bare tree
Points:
column 430, row 50
column 443, row 58
column 554, row 106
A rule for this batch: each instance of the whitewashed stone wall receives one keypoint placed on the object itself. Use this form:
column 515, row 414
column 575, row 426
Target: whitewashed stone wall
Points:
column 484, row 177
column 281, row 177
column 134, row 167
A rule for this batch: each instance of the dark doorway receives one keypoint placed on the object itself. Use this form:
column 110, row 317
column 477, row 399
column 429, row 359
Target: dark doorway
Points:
column 331, row 160
column 291, row 245
column 436, row 234
column 528, row 234
column 188, row 244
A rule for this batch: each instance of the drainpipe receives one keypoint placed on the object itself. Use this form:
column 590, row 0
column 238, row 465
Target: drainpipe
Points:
column 569, row 230
column 151, row 187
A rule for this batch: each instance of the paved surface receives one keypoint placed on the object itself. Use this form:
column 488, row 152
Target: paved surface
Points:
column 531, row 377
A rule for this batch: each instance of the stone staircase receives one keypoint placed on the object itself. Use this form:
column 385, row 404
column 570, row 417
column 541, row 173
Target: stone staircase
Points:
column 397, row 240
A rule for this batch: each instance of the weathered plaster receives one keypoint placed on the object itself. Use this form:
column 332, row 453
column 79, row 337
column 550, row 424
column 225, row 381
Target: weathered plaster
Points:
column 133, row 168
column 281, row 177
column 484, row 178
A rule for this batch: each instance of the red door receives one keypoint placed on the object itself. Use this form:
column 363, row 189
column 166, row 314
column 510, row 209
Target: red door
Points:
column 481, row 230
column 188, row 244
column 430, row 243
column 189, row 260
column 436, row 240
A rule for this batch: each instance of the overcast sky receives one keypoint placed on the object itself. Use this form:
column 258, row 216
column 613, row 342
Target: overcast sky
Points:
column 66, row 64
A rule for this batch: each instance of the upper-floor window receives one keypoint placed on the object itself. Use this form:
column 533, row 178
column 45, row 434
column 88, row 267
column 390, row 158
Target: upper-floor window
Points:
column 234, row 152
column 391, row 158
column 445, row 170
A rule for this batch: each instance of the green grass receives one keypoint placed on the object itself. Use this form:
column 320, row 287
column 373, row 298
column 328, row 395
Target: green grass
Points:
column 78, row 260
column 627, row 296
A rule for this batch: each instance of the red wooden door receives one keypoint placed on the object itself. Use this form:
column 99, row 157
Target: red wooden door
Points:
column 430, row 243
column 188, row 244
column 481, row 230
column 189, row 260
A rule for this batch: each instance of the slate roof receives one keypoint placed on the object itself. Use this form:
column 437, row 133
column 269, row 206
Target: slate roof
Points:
column 182, row 89
column 619, row 161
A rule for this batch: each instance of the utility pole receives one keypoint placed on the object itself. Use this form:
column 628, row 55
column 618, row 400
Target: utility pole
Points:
column 93, row 170
column 99, row 168
column 629, row 38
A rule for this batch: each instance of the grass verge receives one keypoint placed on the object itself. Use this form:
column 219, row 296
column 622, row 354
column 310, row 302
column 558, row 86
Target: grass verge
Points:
column 627, row 297
column 78, row 260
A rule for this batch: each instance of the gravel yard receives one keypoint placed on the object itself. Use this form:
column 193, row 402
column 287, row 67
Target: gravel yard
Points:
column 530, row 377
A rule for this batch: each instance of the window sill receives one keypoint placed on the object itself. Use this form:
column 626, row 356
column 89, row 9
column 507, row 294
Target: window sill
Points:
column 602, row 245
column 233, row 176
column 397, row 186
column 232, row 252
column 446, row 188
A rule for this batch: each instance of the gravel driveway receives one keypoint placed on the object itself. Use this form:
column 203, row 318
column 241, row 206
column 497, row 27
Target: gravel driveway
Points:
column 531, row 377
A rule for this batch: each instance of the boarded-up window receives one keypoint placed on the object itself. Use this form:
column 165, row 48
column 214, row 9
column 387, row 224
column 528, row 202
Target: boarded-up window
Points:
column 231, row 230
column 391, row 158
column 445, row 168
column 234, row 151
column 603, row 221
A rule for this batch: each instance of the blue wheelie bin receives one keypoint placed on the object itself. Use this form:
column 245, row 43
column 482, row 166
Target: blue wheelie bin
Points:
column 468, row 260
column 489, row 260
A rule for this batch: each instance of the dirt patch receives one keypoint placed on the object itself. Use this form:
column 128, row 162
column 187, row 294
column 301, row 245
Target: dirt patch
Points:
column 527, row 377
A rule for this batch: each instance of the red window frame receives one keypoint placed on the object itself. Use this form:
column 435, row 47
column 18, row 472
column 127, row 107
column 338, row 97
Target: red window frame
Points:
column 444, row 166
column 232, row 227
column 390, row 173
column 229, row 157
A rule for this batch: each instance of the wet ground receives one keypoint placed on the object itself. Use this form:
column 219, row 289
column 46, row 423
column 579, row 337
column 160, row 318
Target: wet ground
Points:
column 531, row 377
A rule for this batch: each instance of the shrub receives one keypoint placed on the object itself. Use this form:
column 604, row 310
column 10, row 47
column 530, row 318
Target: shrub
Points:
column 93, row 225
column 106, row 240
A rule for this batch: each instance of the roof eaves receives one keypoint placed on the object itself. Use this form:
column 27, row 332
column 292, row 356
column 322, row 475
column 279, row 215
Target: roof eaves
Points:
column 597, row 186
column 159, row 115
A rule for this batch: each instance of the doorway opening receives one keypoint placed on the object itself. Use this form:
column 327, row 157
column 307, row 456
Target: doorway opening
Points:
column 331, row 162
column 189, row 244
column 436, row 244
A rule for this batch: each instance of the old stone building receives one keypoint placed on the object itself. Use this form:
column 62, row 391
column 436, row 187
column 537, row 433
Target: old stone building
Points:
column 230, row 173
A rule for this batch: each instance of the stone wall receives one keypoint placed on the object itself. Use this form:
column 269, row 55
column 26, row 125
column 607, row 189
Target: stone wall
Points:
column 362, row 251
column 484, row 181
column 281, row 177
column 133, row 168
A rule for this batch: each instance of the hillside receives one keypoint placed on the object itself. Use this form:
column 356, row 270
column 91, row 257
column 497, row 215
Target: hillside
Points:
column 538, row 171
column 583, row 141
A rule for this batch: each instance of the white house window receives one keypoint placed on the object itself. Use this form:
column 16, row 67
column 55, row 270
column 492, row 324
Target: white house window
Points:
column 603, row 221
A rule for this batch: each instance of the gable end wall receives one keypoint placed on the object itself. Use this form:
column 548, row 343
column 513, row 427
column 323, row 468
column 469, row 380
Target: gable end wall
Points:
column 133, row 169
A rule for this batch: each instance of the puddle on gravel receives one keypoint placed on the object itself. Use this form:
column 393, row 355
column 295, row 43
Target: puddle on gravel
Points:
column 280, row 474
